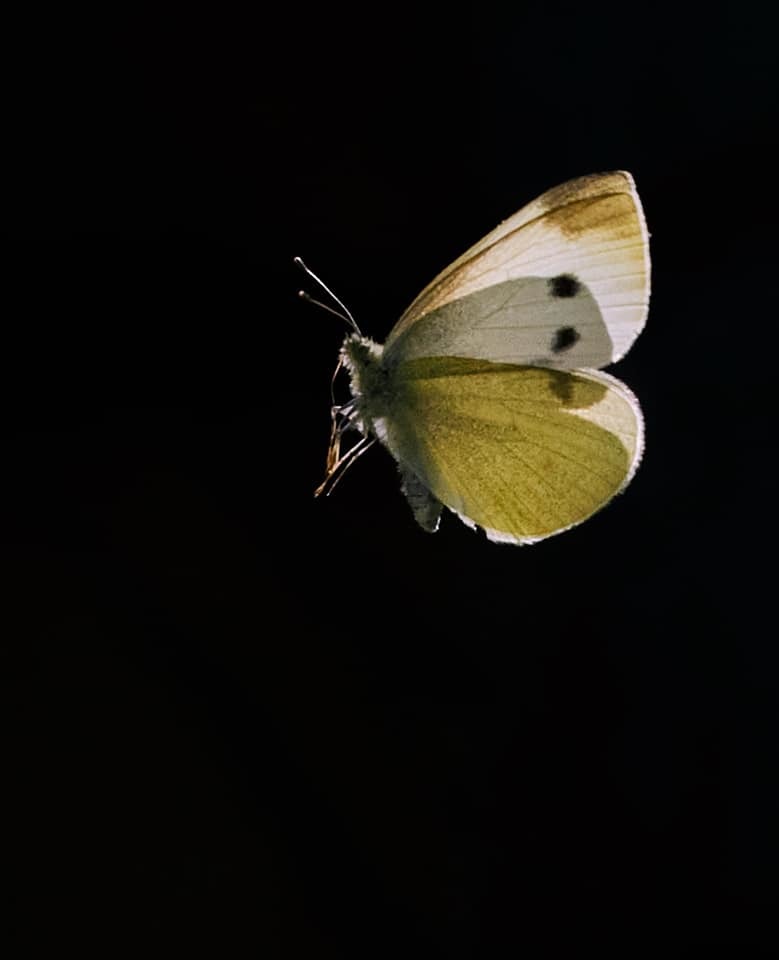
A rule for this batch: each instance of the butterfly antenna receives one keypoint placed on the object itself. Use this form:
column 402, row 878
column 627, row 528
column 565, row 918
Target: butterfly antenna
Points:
column 345, row 316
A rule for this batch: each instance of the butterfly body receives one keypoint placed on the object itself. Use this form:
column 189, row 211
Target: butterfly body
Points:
column 488, row 392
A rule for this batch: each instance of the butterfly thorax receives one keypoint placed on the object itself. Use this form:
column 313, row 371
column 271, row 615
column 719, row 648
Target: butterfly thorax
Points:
column 369, row 379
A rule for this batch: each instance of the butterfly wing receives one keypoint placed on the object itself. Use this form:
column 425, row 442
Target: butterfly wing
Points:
column 564, row 283
column 523, row 452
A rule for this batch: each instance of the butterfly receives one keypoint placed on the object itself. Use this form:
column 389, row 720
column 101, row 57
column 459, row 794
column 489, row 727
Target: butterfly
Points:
column 488, row 392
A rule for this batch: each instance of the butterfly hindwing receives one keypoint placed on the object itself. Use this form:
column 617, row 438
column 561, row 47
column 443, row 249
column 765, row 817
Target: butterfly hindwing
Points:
column 523, row 452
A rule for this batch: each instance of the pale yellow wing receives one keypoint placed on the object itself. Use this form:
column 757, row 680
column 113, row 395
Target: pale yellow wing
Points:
column 523, row 452
column 564, row 283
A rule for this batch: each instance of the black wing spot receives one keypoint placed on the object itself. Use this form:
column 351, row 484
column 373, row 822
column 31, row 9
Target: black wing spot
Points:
column 564, row 285
column 561, row 386
column 564, row 339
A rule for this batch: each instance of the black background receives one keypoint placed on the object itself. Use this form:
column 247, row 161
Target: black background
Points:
column 253, row 723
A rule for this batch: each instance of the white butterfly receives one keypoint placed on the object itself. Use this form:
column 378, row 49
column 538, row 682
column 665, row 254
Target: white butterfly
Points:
column 488, row 392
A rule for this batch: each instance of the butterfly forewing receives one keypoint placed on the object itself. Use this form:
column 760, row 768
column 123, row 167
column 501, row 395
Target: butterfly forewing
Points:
column 563, row 283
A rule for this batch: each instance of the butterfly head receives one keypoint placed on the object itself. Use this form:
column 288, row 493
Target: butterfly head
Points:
column 361, row 358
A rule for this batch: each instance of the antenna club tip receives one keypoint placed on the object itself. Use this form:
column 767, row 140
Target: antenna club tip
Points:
column 298, row 261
